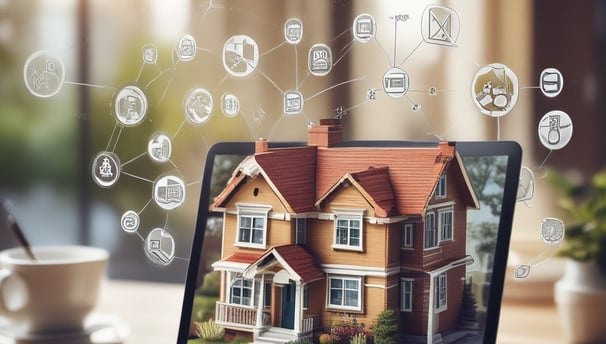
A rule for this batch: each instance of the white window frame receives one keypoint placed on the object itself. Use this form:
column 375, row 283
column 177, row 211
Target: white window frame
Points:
column 446, row 234
column 441, row 187
column 235, row 278
column 344, row 290
column 252, row 211
column 408, row 236
column 430, row 230
column 406, row 294
column 351, row 216
column 441, row 292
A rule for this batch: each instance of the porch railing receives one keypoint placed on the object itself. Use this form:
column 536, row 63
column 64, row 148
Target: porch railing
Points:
column 237, row 315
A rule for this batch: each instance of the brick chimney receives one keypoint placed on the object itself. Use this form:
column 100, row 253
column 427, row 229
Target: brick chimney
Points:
column 328, row 133
column 261, row 146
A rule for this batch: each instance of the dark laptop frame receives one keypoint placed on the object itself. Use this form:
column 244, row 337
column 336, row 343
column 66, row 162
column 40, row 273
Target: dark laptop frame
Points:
column 510, row 149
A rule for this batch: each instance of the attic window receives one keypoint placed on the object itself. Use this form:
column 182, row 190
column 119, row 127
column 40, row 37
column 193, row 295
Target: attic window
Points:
column 256, row 192
column 348, row 234
column 252, row 225
column 441, row 187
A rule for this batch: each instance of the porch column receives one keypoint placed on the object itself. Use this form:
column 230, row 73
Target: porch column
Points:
column 259, row 322
column 298, row 307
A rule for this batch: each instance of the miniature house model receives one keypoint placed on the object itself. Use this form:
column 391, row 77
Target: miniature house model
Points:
column 316, row 233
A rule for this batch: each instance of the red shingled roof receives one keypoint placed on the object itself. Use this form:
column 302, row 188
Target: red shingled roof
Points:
column 396, row 180
column 294, row 259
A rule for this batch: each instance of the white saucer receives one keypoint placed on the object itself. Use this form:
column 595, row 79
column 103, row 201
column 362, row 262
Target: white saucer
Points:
column 98, row 329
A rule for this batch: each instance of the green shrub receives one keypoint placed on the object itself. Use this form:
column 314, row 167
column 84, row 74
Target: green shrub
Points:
column 210, row 285
column 385, row 328
column 210, row 331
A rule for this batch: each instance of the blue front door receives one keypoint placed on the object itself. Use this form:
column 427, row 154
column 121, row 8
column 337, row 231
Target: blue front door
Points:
column 288, row 305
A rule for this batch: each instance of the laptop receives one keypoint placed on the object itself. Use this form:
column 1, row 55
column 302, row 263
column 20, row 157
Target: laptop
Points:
column 297, row 241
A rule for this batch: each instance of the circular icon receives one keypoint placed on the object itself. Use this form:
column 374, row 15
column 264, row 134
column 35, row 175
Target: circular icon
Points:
column 150, row 54
column 160, row 247
column 521, row 271
column 552, row 230
column 240, row 56
column 555, row 129
column 130, row 105
column 494, row 89
column 169, row 192
column 159, row 148
column 364, row 28
column 230, row 105
column 106, row 169
column 186, row 48
column 293, row 31
column 44, row 74
column 198, row 105
column 130, row 221
column 395, row 82
column 551, row 83
column 319, row 61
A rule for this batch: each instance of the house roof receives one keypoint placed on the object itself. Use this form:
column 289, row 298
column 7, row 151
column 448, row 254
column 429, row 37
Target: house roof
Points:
column 293, row 258
column 395, row 180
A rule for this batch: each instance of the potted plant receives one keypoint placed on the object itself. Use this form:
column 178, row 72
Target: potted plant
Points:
column 580, row 295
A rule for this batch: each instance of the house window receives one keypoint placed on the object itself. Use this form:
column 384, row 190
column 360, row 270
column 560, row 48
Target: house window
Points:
column 441, row 292
column 431, row 233
column 348, row 229
column 305, row 296
column 252, row 225
column 345, row 293
column 301, row 231
column 406, row 295
column 241, row 292
column 441, row 187
column 445, row 224
column 407, row 235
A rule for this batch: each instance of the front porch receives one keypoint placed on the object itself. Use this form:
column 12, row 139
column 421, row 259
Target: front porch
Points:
column 242, row 318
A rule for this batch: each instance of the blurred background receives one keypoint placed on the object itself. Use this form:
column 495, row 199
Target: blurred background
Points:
column 47, row 144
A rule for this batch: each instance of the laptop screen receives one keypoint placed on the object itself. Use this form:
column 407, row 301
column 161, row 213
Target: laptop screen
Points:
column 296, row 243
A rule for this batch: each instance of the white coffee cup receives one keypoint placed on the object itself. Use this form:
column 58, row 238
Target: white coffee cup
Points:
column 56, row 292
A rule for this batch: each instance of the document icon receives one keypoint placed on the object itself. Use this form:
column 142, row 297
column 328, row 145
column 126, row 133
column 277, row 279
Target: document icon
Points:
column 440, row 25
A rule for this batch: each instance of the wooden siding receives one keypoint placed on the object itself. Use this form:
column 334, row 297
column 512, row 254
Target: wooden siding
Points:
column 347, row 196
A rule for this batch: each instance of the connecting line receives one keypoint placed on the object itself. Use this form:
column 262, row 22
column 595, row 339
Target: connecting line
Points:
column 271, row 131
column 178, row 130
column 336, row 85
column 348, row 48
column 172, row 68
column 266, row 77
column 296, row 67
column 412, row 52
column 137, row 177
column 111, row 138
column 434, row 132
column 220, row 83
column 140, row 236
column 140, row 72
column 145, row 206
column 133, row 159
column 193, row 183
column 395, row 41
column 303, row 81
column 498, row 128
column 529, row 87
column 168, row 84
column 384, row 51
column 90, row 85
column 545, row 160
column 272, row 49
